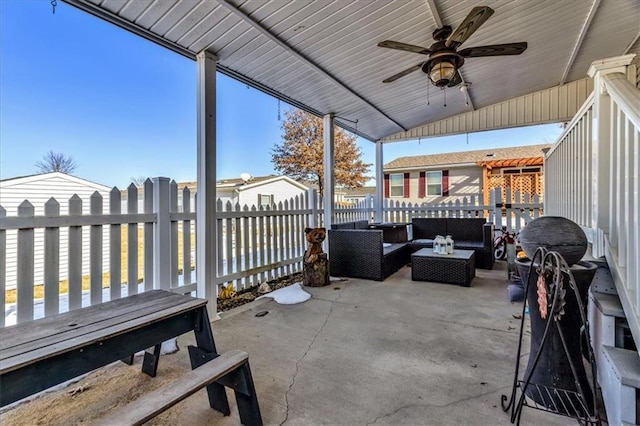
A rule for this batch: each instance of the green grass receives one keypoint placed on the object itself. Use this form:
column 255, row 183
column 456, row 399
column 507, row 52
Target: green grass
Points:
column 38, row 289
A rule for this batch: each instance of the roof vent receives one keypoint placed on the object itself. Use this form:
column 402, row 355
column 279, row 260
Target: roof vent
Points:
column 491, row 154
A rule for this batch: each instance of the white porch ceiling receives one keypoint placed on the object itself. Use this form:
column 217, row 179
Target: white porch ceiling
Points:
column 322, row 56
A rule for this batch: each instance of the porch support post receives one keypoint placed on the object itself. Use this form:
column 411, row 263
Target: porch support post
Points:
column 379, row 213
column 329, row 176
column 601, row 156
column 206, row 253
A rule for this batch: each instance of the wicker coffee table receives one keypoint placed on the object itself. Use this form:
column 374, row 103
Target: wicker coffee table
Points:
column 456, row 268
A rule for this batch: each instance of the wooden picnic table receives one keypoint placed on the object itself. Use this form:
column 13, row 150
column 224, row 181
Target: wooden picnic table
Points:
column 39, row 354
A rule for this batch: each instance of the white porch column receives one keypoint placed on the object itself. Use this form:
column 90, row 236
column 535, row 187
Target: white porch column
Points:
column 206, row 193
column 329, row 176
column 379, row 214
column 601, row 148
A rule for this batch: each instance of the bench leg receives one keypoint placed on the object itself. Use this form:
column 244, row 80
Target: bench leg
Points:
column 217, row 395
column 150, row 362
column 128, row 360
column 248, row 407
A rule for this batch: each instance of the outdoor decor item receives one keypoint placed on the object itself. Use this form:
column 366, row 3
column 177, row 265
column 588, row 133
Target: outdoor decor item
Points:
column 554, row 233
column 555, row 379
column 315, row 271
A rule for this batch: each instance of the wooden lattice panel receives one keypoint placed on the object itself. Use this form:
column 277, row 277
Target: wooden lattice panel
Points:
column 525, row 183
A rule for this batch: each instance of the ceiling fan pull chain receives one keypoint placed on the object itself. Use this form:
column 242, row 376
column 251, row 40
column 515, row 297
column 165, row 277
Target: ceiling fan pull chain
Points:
column 428, row 94
column 278, row 109
column 445, row 96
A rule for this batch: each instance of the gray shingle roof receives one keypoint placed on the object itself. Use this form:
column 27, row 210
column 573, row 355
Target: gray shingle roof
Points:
column 467, row 156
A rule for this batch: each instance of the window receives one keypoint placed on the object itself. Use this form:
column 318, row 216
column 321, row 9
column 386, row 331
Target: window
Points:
column 513, row 171
column 265, row 200
column 434, row 183
column 396, row 185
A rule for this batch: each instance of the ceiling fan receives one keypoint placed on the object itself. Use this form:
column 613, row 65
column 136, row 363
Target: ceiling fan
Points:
column 445, row 60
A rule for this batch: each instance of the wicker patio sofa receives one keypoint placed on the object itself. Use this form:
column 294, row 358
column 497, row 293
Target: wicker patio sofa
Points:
column 360, row 253
column 468, row 234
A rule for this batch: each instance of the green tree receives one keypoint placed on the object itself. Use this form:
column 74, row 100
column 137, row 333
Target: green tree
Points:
column 300, row 153
column 56, row 162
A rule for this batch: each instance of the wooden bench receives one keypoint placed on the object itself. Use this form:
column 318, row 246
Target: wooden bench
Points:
column 232, row 366
column 39, row 354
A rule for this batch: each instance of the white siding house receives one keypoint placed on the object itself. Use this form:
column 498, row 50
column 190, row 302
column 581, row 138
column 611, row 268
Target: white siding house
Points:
column 38, row 189
column 260, row 191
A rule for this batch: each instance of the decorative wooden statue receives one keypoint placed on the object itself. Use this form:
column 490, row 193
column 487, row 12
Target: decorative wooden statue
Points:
column 315, row 263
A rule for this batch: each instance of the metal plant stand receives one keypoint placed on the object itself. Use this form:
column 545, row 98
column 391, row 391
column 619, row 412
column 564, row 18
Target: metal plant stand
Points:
column 555, row 286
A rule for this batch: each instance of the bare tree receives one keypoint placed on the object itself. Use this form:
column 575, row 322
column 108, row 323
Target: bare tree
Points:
column 56, row 162
column 138, row 180
column 301, row 151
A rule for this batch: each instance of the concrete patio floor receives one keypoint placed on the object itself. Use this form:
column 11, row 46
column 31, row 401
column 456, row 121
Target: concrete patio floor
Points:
column 357, row 353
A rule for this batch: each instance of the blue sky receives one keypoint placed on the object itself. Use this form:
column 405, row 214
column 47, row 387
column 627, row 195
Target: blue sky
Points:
column 123, row 107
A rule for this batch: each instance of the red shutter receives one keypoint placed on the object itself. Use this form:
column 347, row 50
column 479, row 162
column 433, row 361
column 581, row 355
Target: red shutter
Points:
column 406, row 185
column 386, row 186
column 422, row 185
column 445, row 183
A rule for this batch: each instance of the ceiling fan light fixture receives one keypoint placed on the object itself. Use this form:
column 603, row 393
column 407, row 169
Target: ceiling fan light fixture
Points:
column 441, row 72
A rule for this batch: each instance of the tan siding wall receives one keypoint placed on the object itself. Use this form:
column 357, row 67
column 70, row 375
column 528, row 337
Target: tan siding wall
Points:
column 463, row 182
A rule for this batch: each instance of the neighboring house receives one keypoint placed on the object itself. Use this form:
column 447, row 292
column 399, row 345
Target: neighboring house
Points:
column 250, row 191
column 260, row 191
column 38, row 189
column 356, row 195
column 453, row 176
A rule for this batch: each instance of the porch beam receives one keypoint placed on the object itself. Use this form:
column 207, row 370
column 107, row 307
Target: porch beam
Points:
column 299, row 56
column 576, row 47
column 206, row 235
column 378, row 212
column 431, row 4
column 97, row 11
column 329, row 177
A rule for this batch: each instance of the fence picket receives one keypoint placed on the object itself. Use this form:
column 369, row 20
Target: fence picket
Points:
column 3, row 266
column 95, row 251
column 132, row 242
column 162, row 234
column 148, row 237
column 75, row 255
column 25, row 266
column 262, row 238
column 222, row 253
column 270, row 246
column 237, row 239
column 173, row 259
column 51, row 261
column 245, row 246
column 186, row 237
column 254, row 244
column 115, row 246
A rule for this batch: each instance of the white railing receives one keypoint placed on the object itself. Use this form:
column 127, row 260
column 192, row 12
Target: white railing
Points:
column 568, row 170
column 592, row 177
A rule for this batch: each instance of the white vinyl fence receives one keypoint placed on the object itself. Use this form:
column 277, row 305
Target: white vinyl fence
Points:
column 254, row 244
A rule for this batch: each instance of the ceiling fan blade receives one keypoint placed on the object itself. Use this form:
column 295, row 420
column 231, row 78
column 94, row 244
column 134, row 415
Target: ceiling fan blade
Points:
column 390, row 44
column 494, row 50
column 457, row 79
column 403, row 73
column 471, row 23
